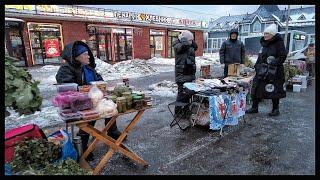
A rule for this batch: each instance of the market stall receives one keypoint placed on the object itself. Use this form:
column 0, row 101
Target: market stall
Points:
column 97, row 102
column 219, row 102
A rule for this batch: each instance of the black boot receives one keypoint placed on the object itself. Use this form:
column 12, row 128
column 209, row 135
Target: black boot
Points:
column 274, row 112
column 252, row 110
column 84, row 142
column 113, row 130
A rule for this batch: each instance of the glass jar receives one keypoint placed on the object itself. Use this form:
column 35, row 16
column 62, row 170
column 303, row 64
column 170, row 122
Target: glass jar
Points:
column 137, row 102
column 120, row 88
column 128, row 97
column 121, row 104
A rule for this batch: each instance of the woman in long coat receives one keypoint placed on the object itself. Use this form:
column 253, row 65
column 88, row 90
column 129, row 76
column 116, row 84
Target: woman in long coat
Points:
column 273, row 54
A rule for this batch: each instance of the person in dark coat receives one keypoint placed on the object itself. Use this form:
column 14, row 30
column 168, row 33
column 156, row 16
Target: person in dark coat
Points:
column 232, row 51
column 185, row 65
column 273, row 54
column 79, row 67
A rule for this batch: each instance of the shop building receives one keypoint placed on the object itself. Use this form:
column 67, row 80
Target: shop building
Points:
column 41, row 31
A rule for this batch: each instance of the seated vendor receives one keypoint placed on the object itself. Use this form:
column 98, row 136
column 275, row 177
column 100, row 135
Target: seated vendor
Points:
column 79, row 67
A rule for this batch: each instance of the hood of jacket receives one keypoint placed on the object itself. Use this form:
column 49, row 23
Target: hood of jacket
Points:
column 68, row 54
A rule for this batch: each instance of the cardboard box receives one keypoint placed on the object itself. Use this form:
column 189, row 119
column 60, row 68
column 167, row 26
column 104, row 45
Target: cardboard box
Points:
column 234, row 69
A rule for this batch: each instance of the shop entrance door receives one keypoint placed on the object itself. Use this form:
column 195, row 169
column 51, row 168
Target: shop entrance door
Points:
column 105, row 48
column 172, row 36
column 14, row 46
column 123, row 47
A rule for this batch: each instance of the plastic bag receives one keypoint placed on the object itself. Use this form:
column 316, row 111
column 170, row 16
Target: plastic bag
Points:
column 106, row 108
column 95, row 94
column 62, row 138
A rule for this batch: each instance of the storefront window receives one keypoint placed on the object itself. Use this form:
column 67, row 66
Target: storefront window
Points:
column 172, row 36
column 14, row 46
column 46, row 42
column 156, row 43
column 106, row 42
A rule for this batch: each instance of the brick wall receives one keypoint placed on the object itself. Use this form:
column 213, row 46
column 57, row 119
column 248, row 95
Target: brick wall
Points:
column 200, row 43
column 74, row 31
column 141, row 43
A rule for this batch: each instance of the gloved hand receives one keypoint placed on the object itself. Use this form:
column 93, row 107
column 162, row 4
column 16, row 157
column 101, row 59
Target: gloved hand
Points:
column 271, row 60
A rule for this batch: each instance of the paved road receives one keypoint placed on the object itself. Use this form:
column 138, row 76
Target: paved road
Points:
column 263, row 145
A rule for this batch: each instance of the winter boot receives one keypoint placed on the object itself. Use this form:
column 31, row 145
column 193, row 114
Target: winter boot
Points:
column 113, row 131
column 274, row 112
column 84, row 142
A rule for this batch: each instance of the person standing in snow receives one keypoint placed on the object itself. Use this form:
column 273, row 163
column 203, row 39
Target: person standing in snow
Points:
column 185, row 65
column 232, row 51
column 272, row 54
column 79, row 67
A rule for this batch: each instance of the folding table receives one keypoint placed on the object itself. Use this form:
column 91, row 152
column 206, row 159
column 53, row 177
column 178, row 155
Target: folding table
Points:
column 115, row 145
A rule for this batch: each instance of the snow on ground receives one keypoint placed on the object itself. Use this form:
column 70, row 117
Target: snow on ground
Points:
column 164, row 88
column 132, row 68
column 47, row 117
column 162, row 61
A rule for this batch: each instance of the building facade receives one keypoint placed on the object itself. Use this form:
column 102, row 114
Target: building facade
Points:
column 251, row 25
column 38, row 33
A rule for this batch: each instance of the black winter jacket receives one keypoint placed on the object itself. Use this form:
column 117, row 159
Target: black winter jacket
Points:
column 71, row 71
column 185, row 64
column 274, row 47
column 232, row 51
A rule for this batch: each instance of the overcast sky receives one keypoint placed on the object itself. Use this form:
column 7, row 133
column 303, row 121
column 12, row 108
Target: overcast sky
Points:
column 196, row 12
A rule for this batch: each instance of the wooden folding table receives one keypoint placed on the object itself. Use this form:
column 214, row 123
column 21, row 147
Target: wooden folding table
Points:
column 115, row 145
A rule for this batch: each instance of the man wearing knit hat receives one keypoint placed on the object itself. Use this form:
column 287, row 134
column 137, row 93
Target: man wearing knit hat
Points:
column 269, row 85
column 79, row 67
column 231, row 51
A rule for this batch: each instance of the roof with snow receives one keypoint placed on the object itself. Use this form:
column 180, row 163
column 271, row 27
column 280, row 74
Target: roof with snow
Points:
column 226, row 22
column 265, row 13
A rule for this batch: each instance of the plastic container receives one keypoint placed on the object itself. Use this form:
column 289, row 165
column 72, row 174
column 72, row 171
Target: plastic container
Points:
column 102, row 85
column 303, row 81
column 67, row 87
column 84, row 88
column 79, row 103
column 296, row 88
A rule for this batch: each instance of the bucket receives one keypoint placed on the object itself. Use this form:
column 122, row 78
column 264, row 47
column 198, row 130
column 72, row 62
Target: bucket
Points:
column 303, row 81
column 296, row 88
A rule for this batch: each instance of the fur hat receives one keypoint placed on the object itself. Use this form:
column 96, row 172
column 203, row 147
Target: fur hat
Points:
column 186, row 34
column 272, row 29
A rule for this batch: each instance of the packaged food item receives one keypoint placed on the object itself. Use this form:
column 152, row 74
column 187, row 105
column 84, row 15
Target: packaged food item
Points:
column 107, row 108
column 147, row 101
column 79, row 103
column 70, row 116
column 62, row 99
column 67, row 87
column 120, row 88
column 95, row 94
column 137, row 102
column 88, row 112
column 84, row 88
column 102, row 85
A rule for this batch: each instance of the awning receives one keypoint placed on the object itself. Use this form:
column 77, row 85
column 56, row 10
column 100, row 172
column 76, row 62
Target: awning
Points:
column 13, row 19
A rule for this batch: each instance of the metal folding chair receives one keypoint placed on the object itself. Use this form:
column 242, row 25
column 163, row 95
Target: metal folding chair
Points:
column 179, row 115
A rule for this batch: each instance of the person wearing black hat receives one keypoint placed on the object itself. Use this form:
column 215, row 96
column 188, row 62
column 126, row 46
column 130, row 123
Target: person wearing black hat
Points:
column 79, row 67
column 231, row 51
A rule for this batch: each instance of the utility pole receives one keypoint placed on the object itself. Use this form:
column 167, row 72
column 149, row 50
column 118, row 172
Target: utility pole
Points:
column 287, row 24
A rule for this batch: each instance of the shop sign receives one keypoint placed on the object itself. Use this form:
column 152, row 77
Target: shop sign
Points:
column 74, row 10
column 51, row 47
column 20, row 8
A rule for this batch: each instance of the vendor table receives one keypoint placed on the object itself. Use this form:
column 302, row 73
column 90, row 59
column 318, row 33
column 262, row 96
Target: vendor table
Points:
column 115, row 145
